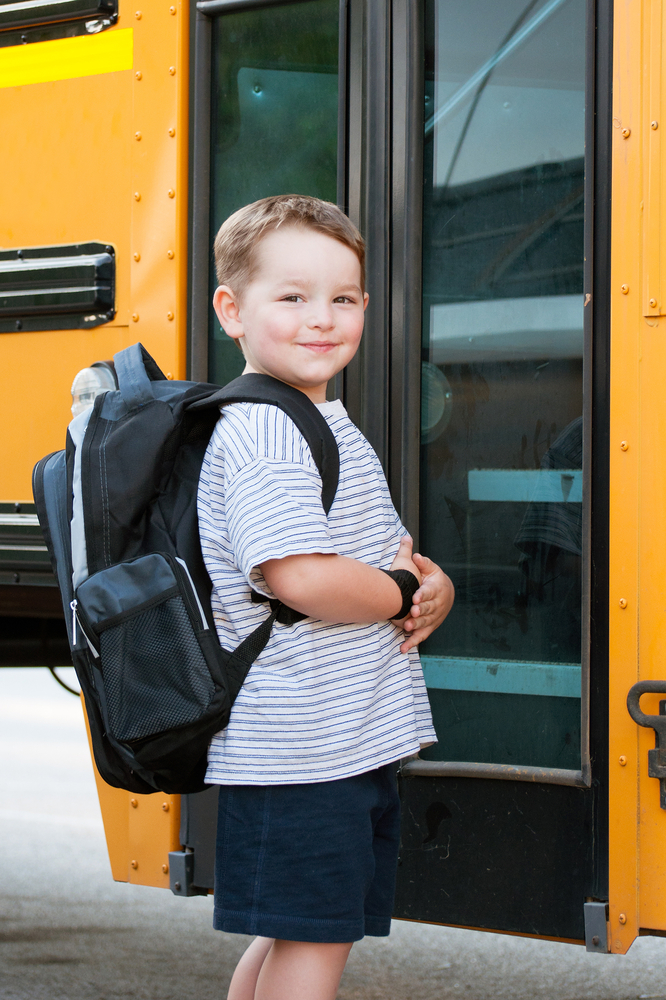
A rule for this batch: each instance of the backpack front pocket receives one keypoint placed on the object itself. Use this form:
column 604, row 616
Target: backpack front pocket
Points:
column 144, row 621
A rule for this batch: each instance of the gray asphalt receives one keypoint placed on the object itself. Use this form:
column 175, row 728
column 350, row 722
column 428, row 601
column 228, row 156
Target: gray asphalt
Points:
column 68, row 931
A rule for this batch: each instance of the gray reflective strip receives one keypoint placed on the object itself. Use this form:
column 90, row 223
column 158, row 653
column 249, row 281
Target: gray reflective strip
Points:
column 23, row 548
column 19, row 520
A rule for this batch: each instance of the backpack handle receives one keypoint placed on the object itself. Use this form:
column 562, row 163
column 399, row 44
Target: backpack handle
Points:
column 136, row 370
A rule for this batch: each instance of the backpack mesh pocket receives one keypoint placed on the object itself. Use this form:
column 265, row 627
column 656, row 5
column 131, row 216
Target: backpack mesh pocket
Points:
column 155, row 675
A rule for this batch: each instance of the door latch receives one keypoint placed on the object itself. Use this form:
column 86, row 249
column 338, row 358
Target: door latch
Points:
column 656, row 757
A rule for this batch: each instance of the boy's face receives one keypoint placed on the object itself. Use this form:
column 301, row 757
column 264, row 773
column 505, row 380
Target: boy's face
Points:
column 301, row 317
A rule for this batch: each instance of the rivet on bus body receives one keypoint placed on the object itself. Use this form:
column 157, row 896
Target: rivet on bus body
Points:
column 171, row 193
column 626, row 132
column 169, row 375
column 135, row 317
column 165, row 869
column 138, row 15
column 134, row 864
column 169, row 315
column 134, row 803
column 624, row 445
column 622, row 918
column 653, row 303
column 172, row 70
column 623, row 602
column 624, row 289
column 165, row 805
column 170, row 254
column 623, row 761
column 172, row 10
column 654, row 125
column 172, row 132
column 137, row 196
column 136, row 255
column 137, row 136
column 138, row 75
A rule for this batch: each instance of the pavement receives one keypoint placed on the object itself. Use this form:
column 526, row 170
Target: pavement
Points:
column 68, row 932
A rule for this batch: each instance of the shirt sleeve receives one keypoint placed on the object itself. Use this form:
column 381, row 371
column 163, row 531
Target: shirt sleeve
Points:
column 274, row 510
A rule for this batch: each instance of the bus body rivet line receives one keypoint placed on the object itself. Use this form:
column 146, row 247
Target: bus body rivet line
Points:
column 623, row 602
column 622, row 918
column 654, row 125
column 624, row 445
column 624, row 289
column 138, row 75
column 622, row 760
column 626, row 132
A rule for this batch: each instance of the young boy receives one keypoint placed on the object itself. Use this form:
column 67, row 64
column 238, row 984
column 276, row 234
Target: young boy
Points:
column 308, row 817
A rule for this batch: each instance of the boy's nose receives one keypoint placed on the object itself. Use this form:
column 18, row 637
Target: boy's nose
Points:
column 321, row 318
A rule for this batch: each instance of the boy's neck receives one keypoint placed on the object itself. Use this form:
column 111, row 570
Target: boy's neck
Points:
column 316, row 393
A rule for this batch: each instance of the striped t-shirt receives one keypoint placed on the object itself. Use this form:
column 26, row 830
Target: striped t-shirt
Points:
column 322, row 701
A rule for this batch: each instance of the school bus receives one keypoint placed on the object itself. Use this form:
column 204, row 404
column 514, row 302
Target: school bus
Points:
column 503, row 160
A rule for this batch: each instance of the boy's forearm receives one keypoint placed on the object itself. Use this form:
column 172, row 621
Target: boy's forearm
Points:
column 333, row 588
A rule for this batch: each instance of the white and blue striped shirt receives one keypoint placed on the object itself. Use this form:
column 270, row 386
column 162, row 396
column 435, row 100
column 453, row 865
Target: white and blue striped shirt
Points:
column 322, row 701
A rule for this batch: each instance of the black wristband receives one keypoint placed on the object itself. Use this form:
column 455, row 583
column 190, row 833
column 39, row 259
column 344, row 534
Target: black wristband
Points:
column 408, row 586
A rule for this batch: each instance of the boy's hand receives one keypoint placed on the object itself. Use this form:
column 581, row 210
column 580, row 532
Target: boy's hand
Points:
column 431, row 603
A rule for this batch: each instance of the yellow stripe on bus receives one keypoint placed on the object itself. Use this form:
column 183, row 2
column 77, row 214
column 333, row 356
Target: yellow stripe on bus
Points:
column 66, row 58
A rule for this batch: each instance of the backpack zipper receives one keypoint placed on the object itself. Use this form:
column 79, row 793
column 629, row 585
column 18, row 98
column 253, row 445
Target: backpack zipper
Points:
column 194, row 607
column 76, row 620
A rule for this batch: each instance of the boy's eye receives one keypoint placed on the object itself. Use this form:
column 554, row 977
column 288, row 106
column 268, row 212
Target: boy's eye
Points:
column 292, row 298
column 344, row 299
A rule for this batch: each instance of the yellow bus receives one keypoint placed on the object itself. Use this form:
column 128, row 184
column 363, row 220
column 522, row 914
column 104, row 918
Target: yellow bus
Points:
column 503, row 160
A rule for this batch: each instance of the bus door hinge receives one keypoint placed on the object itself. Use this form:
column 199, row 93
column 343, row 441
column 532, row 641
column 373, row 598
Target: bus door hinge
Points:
column 596, row 927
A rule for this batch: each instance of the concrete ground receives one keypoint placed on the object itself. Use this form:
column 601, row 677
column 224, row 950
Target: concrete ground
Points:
column 67, row 932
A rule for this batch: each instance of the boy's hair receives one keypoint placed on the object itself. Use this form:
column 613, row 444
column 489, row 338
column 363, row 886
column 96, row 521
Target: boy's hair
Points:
column 238, row 238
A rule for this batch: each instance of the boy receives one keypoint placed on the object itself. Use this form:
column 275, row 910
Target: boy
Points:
column 308, row 817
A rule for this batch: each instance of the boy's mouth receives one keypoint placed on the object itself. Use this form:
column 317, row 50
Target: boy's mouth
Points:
column 319, row 347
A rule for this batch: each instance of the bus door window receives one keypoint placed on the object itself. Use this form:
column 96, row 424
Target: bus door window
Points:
column 502, row 446
column 274, row 126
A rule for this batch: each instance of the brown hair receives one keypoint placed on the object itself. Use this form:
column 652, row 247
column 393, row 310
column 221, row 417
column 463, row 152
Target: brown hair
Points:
column 239, row 237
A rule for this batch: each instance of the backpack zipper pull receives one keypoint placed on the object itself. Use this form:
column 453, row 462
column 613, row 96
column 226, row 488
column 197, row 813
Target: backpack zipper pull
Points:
column 73, row 605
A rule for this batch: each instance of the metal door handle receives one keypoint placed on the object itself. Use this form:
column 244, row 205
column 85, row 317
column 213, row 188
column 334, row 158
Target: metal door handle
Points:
column 656, row 757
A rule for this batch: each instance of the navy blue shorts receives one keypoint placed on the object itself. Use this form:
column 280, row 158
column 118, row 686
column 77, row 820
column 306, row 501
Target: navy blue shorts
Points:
column 310, row 862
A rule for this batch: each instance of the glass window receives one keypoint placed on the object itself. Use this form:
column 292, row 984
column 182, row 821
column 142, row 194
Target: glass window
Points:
column 502, row 375
column 274, row 120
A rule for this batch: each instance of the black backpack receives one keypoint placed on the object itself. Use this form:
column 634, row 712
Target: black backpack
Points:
column 118, row 511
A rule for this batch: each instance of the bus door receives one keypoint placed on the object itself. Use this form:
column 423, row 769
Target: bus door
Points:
column 505, row 823
column 460, row 138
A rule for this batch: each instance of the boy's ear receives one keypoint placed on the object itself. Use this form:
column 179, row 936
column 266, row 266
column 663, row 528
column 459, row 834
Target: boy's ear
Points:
column 366, row 299
column 227, row 310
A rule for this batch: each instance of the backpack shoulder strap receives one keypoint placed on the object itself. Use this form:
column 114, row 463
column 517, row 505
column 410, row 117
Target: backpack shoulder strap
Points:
column 253, row 388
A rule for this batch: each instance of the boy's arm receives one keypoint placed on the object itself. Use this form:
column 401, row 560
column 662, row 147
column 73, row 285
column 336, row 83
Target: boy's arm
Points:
column 338, row 589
